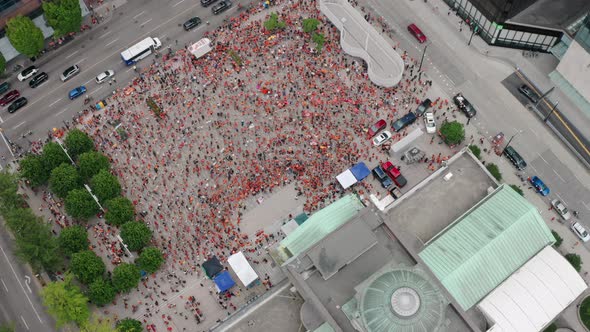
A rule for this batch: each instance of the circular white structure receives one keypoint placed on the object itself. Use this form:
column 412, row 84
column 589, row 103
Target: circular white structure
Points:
column 405, row 302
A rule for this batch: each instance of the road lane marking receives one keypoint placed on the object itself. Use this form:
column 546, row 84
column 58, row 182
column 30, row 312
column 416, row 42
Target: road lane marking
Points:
column 112, row 41
column 20, row 283
column 1, row 121
column 558, row 196
column 146, row 22
column 58, row 114
column 90, row 80
column 71, row 55
column 24, row 322
column 138, row 15
column 178, row 3
column 18, row 125
column 542, row 158
column 96, row 90
column 105, row 34
column 55, row 102
column 586, row 206
column 559, row 176
column 7, row 145
column 4, row 285
column 81, row 60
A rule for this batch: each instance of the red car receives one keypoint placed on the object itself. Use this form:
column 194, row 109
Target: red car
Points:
column 416, row 32
column 394, row 174
column 377, row 127
column 9, row 97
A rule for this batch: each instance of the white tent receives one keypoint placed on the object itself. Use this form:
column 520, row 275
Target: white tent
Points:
column 201, row 47
column 346, row 179
column 242, row 268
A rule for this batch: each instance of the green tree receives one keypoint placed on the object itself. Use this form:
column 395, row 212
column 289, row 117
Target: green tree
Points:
column 73, row 239
column 452, row 132
column 10, row 199
column 64, row 178
column 78, row 142
column 585, row 312
column 119, row 211
column 7, row 327
column 32, row 169
column 66, row 302
column 105, row 186
column 475, row 150
column 129, row 325
column 150, row 259
column 98, row 324
column 2, row 64
column 125, row 277
column 310, row 25
column 80, row 205
column 25, row 36
column 53, row 156
column 319, row 40
column 558, row 239
column 101, row 292
column 551, row 328
column 87, row 266
column 36, row 245
column 18, row 220
column 575, row 260
column 90, row 163
column 135, row 235
column 64, row 16
column 495, row 171
column 273, row 23
column 517, row 189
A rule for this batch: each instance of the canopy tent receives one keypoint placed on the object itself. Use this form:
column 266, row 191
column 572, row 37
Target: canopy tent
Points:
column 360, row 171
column 212, row 267
column 223, row 282
column 201, row 47
column 346, row 179
column 242, row 268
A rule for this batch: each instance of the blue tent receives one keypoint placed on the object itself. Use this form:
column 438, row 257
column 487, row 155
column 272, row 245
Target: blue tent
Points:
column 223, row 281
column 360, row 171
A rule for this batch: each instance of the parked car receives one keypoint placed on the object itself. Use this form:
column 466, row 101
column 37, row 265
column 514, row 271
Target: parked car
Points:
column 417, row 33
column 385, row 180
column 529, row 93
column 9, row 97
column 423, row 107
column 515, row 158
column 377, row 127
column 539, row 185
column 77, row 92
column 464, row 105
column 221, row 7
column 102, row 77
column 17, row 104
column 394, row 174
column 382, row 138
column 38, row 80
column 69, row 73
column 404, row 121
column 191, row 23
column 27, row 73
column 429, row 122
column 580, row 231
column 206, row 3
column 561, row 209
column 4, row 87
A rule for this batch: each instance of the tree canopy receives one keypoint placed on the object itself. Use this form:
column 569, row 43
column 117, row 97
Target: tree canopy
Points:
column 35, row 244
column 73, row 239
column 101, row 292
column 80, row 205
column 310, row 25
column 25, row 36
column 64, row 16
column 150, row 259
column 90, row 163
column 105, row 186
column 125, row 277
column 64, row 178
column 87, row 266
column 129, row 325
column 119, row 211
column 135, row 235
column 2, row 64
column 273, row 23
column 65, row 302
column 9, row 197
column 78, row 142
column 452, row 132
column 98, row 324
column 53, row 155
column 32, row 169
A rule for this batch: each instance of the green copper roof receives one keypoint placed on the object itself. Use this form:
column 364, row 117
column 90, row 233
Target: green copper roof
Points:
column 486, row 245
column 319, row 225
column 324, row 328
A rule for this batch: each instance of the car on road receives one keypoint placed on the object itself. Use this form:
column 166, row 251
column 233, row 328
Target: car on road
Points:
column 580, row 231
column 417, row 33
column 19, row 103
column 77, row 92
column 9, row 97
column 464, row 105
column 528, row 92
column 561, row 209
column 191, row 23
column 375, row 128
column 403, row 122
column 38, row 79
column 206, row 3
column 394, row 174
column 382, row 138
column 222, row 6
column 385, row 180
column 69, row 73
column 539, row 185
column 515, row 158
column 429, row 122
column 423, row 107
column 27, row 73
column 104, row 76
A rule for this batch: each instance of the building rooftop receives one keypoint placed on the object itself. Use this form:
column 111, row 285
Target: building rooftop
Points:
column 552, row 14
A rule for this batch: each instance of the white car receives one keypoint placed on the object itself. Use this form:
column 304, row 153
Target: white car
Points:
column 429, row 122
column 561, row 209
column 382, row 138
column 102, row 77
column 27, row 73
column 580, row 232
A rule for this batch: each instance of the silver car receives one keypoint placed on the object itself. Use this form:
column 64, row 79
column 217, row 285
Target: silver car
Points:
column 561, row 209
column 580, row 232
column 102, row 77
column 69, row 73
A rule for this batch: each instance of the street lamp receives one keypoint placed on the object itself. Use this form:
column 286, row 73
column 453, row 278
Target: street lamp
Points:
column 65, row 151
column 93, row 196
column 510, row 140
column 550, row 112
column 475, row 30
column 423, row 54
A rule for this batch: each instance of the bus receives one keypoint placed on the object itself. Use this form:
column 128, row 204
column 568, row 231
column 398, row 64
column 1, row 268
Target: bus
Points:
column 140, row 50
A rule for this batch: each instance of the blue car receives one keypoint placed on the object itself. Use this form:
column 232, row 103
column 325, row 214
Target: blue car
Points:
column 77, row 92
column 539, row 185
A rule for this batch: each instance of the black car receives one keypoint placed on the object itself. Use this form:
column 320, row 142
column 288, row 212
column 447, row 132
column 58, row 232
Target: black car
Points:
column 191, row 23
column 403, row 122
column 206, row 3
column 528, row 92
column 423, row 107
column 20, row 102
column 221, row 7
column 38, row 80
column 464, row 105
column 515, row 158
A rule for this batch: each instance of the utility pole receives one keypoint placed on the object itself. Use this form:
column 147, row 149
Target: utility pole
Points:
column 475, row 30
column 551, row 112
column 423, row 54
column 510, row 140
column 543, row 96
